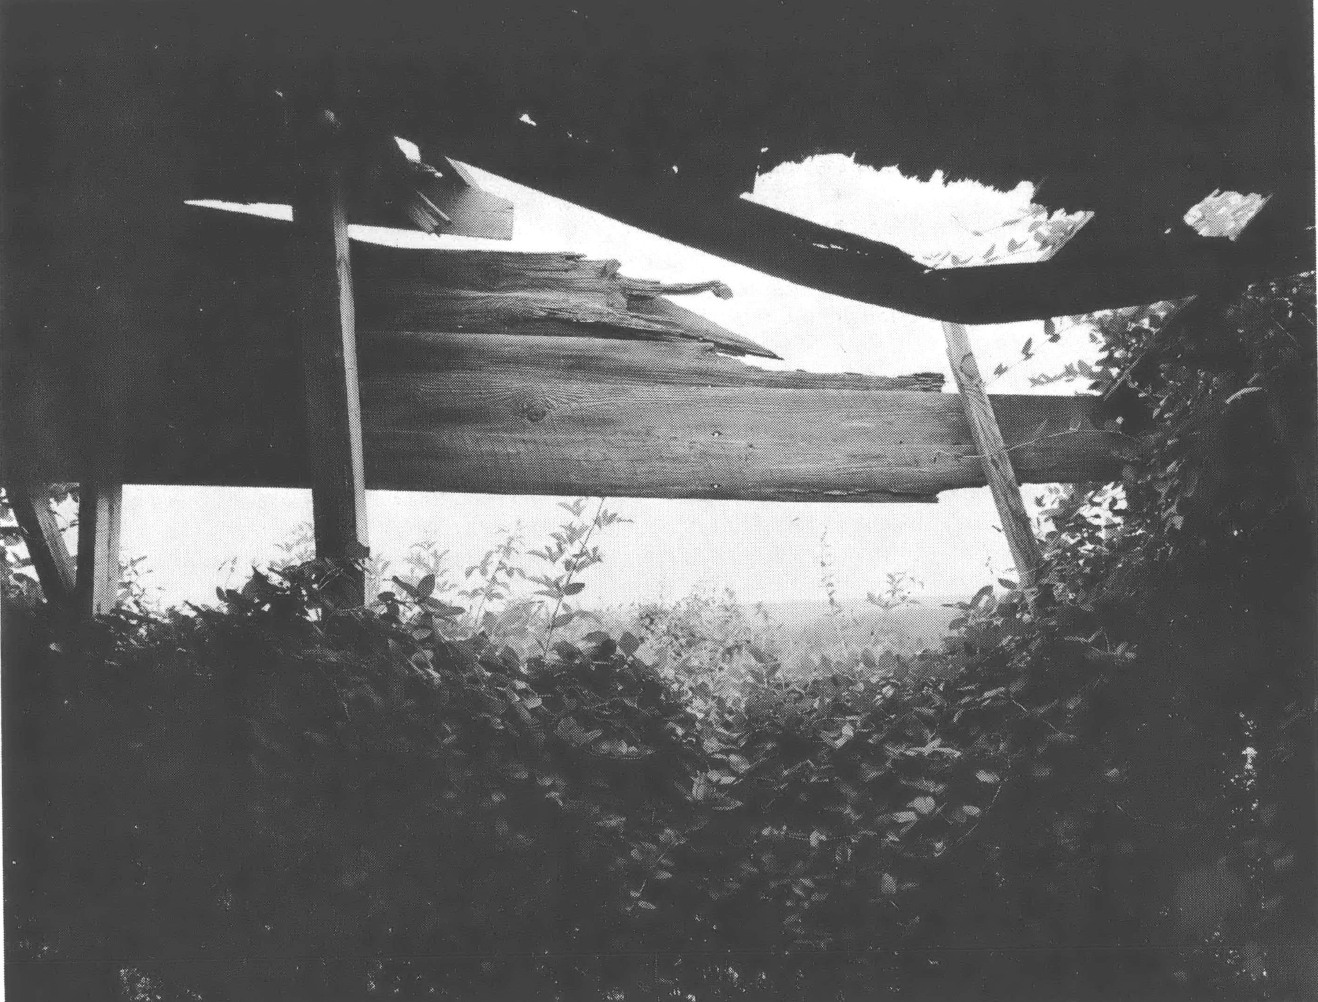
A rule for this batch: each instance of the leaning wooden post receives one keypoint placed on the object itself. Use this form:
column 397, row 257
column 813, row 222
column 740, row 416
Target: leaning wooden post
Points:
column 45, row 542
column 996, row 461
column 327, row 330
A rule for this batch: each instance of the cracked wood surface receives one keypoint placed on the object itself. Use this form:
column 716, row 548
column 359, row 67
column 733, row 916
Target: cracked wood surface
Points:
column 549, row 416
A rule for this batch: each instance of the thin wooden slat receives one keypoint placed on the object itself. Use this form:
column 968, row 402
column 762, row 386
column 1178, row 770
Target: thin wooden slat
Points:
column 100, row 509
column 45, row 542
column 993, row 454
column 643, row 288
column 328, row 343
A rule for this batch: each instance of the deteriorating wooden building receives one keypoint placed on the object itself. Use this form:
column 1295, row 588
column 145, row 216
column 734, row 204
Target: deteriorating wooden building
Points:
column 145, row 340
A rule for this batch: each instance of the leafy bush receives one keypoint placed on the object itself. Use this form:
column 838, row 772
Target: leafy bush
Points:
column 472, row 790
column 348, row 782
column 356, row 784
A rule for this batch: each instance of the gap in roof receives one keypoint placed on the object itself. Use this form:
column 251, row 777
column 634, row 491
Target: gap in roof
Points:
column 267, row 210
column 385, row 236
column 410, row 149
column 938, row 222
column 1224, row 213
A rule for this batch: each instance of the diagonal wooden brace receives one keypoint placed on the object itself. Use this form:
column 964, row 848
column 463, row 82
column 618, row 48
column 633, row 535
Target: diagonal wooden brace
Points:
column 45, row 542
column 996, row 460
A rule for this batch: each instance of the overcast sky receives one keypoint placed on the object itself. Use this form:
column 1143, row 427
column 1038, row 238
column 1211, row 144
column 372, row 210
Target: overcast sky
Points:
column 763, row 551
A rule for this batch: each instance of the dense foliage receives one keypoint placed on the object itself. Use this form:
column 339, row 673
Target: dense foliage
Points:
column 459, row 793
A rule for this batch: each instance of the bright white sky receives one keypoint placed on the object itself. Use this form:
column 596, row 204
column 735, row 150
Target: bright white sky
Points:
column 763, row 551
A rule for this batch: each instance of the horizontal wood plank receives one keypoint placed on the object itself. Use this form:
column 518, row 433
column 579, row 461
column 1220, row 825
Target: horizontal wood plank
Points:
column 543, row 416
column 569, row 416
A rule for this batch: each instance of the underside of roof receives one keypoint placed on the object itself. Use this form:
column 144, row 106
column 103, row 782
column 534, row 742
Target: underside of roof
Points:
column 661, row 116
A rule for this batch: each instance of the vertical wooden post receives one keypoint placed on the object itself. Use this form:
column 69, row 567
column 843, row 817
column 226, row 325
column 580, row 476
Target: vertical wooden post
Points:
column 327, row 329
column 45, row 542
column 995, row 459
column 100, row 506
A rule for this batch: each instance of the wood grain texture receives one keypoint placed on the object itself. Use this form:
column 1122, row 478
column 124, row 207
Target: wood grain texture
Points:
column 546, row 416
column 993, row 456
column 501, row 292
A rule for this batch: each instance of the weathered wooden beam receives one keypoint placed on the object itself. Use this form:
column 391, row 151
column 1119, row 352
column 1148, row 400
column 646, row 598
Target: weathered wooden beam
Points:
column 553, row 415
column 45, row 542
column 576, row 416
column 100, row 508
column 995, row 459
column 328, row 341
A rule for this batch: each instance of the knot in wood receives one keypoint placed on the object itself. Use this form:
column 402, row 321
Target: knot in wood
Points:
column 535, row 409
